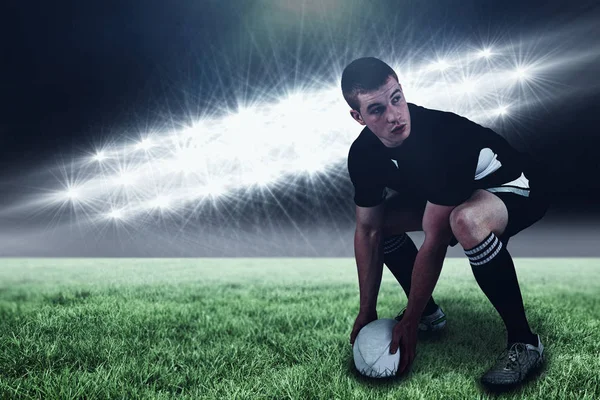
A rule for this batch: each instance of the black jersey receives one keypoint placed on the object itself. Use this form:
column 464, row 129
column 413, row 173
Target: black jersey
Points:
column 444, row 159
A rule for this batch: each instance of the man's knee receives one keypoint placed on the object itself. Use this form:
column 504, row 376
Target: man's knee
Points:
column 460, row 219
column 483, row 214
column 465, row 220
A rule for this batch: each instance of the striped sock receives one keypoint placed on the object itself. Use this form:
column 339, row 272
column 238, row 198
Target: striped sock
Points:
column 393, row 243
column 399, row 254
column 485, row 251
column 495, row 273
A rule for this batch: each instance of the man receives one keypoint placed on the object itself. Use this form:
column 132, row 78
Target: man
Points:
column 454, row 180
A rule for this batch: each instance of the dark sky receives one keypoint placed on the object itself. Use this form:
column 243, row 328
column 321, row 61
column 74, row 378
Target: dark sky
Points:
column 75, row 73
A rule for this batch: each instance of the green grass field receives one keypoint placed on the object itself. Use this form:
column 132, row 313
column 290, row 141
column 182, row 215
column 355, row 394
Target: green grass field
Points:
column 271, row 329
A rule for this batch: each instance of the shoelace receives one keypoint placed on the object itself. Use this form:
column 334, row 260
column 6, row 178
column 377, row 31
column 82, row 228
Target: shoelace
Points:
column 510, row 357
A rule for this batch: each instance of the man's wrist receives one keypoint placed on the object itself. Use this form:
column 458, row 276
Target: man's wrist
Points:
column 409, row 321
column 411, row 316
column 367, row 310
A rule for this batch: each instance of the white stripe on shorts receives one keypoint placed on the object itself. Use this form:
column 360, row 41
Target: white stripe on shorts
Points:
column 519, row 186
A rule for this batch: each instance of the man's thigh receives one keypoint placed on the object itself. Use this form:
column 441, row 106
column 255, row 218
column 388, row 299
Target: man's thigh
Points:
column 523, row 211
column 403, row 214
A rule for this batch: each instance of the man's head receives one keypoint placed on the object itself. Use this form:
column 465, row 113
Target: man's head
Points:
column 372, row 90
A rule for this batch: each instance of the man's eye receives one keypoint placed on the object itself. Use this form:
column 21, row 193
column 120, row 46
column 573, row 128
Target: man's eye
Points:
column 377, row 111
column 396, row 99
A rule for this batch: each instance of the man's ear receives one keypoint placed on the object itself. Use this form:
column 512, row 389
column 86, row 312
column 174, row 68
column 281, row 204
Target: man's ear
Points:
column 357, row 117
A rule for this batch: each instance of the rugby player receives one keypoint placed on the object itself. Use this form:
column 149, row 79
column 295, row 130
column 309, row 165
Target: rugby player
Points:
column 418, row 169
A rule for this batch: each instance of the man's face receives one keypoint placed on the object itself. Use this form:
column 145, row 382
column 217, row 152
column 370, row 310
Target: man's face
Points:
column 385, row 112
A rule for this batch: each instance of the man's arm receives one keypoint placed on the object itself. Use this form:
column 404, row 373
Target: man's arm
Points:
column 426, row 271
column 368, row 254
column 430, row 258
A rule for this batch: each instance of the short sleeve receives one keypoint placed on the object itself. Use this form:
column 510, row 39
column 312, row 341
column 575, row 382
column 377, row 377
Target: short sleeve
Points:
column 368, row 190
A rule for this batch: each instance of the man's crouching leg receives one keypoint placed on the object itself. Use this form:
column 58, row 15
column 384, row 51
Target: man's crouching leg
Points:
column 399, row 254
column 476, row 224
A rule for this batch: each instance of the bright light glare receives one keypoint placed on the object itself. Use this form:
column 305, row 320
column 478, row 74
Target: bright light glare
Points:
column 502, row 110
column 124, row 179
column 486, row 53
column 440, row 65
column 72, row 194
column 161, row 202
column 100, row 156
column 116, row 214
column 521, row 73
column 276, row 140
column 145, row 144
column 212, row 189
column 467, row 87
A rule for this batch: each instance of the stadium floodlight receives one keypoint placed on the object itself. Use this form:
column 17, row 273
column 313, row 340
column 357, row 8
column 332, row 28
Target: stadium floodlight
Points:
column 72, row 194
column 521, row 73
column 116, row 214
column 100, row 156
column 485, row 53
column 502, row 110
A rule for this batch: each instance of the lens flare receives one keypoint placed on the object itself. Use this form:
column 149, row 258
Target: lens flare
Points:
column 287, row 140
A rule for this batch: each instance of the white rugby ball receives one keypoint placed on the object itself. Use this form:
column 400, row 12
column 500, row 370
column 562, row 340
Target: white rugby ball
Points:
column 371, row 349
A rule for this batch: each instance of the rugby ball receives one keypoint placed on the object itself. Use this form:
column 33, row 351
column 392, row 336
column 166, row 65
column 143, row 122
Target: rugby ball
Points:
column 371, row 350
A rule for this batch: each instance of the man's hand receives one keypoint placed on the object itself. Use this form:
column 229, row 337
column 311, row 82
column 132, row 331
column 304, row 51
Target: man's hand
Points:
column 405, row 337
column 363, row 319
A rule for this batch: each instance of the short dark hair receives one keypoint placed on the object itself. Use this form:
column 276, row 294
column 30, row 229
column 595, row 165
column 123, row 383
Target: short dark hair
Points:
column 364, row 75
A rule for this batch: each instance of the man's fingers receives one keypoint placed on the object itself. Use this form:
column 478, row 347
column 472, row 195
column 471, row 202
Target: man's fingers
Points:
column 407, row 356
column 395, row 342
column 404, row 360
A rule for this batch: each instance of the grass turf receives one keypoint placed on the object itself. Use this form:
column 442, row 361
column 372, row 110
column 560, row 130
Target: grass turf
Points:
column 271, row 328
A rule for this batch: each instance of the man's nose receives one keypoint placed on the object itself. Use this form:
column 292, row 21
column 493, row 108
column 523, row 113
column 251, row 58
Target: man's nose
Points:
column 394, row 116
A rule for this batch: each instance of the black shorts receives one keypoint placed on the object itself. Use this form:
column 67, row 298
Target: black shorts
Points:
column 523, row 211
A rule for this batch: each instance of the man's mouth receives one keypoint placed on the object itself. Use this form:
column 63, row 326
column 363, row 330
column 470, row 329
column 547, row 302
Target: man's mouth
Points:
column 399, row 128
